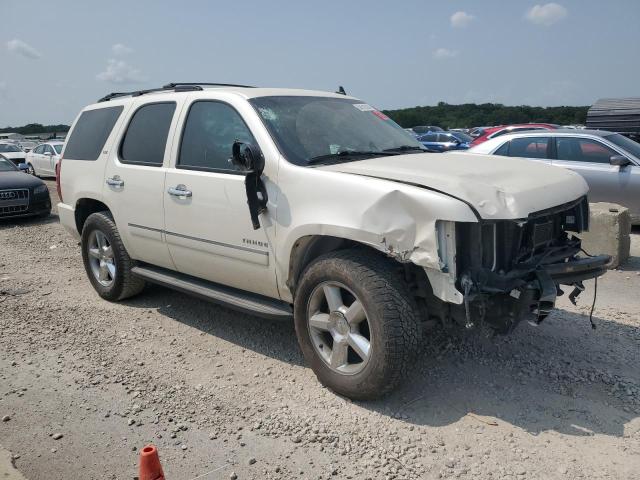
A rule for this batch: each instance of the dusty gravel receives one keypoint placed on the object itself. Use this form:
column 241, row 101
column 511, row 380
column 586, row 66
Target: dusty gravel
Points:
column 85, row 384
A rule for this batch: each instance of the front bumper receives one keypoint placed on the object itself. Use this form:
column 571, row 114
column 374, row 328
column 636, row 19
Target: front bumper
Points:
column 38, row 205
column 502, row 301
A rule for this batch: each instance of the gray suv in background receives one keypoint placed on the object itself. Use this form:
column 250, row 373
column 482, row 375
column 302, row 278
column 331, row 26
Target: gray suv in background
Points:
column 609, row 162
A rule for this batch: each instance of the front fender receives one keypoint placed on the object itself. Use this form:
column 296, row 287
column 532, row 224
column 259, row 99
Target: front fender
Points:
column 394, row 218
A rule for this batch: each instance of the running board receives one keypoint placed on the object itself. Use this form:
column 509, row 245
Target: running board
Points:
column 227, row 296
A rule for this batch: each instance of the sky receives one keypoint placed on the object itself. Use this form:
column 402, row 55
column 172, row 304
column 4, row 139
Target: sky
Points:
column 57, row 57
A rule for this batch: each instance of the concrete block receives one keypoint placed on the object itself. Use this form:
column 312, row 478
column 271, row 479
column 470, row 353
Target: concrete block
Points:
column 609, row 232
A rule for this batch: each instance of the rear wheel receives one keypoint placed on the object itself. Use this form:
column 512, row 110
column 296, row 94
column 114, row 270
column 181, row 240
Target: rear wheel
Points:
column 106, row 260
column 356, row 323
column 31, row 170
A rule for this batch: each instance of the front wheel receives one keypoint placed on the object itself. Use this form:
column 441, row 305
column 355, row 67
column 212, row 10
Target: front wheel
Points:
column 106, row 260
column 356, row 323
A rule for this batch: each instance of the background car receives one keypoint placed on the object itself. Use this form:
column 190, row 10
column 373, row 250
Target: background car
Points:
column 21, row 195
column 422, row 129
column 609, row 162
column 43, row 159
column 12, row 152
column 445, row 141
column 493, row 132
column 28, row 146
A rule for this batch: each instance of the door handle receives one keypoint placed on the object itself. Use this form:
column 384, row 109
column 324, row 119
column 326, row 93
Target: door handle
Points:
column 115, row 181
column 179, row 191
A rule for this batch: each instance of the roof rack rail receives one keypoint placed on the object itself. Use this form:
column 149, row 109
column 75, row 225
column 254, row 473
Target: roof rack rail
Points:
column 206, row 84
column 175, row 86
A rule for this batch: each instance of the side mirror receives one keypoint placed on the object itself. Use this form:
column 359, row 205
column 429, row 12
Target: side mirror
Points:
column 247, row 157
column 23, row 167
column 47, row 154
column 619, row 160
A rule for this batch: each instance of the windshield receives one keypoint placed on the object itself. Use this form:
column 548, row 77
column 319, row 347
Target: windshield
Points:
column 5, row 147
column 58, row 148
column 463, row 137
column 629, row 145
column 310, row 128
column 6, row 165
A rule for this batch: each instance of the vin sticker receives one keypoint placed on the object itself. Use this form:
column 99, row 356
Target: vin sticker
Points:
column 363, row 107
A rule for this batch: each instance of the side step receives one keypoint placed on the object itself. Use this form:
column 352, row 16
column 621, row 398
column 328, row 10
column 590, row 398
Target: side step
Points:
column 229, row 297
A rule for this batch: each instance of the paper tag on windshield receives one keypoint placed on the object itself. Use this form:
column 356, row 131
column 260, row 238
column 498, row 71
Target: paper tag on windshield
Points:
column 363, row 107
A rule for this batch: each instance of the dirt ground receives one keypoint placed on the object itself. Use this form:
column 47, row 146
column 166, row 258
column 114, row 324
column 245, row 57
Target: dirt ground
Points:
column 84, row 384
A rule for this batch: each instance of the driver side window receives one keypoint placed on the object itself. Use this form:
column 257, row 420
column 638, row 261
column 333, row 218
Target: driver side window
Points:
column 207, row 139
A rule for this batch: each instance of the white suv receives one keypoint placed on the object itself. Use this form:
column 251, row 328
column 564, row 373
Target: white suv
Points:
column 313, row 205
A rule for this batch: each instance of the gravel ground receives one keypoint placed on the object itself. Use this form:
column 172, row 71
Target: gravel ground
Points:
column 84, row 384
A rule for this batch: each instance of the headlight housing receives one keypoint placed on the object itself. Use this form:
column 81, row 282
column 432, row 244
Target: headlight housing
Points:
column 40, row 189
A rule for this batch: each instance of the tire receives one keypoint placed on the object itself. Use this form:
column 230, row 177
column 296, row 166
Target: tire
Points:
column 31, row 170
column 393, row 326
column 118, row 283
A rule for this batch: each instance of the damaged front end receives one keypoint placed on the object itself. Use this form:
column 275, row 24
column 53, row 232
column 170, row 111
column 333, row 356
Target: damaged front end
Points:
column 510, row 270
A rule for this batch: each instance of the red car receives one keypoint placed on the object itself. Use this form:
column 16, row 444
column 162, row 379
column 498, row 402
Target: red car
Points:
column 492, row 132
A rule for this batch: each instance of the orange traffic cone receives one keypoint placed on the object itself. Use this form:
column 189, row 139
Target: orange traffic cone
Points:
column 150, row 468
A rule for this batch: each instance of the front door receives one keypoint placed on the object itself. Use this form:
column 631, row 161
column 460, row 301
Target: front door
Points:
column 208, row 227
column 134, row 186
column 607, row 183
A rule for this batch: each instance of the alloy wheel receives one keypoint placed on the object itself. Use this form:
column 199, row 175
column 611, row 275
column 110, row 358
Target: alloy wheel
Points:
column 101, row 258
column 339, row 328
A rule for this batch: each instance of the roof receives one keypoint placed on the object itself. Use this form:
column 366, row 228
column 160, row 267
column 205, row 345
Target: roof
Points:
column 616, row 114
column 241, row 90
column 606, row 106
column 558, row 131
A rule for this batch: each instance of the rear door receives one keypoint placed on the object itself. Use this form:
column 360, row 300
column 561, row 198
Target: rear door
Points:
column 134, row 183
column 607, row 183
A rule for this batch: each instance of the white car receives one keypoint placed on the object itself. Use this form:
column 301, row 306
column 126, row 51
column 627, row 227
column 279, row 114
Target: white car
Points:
column 13, row 152
column 318, row 207
column 44, row 158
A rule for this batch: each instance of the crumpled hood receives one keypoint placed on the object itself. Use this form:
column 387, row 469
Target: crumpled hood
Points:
column 497, row 187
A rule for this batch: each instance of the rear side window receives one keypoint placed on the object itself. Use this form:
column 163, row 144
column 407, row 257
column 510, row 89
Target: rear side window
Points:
column 529, row 147
column 208, row 136
column 583, row 150
column 146, row 137
column 91, row 132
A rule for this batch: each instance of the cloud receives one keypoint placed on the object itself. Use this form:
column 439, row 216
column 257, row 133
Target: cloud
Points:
column 461, row 19
column 119, row 72
column 442, row 53
column 21, row 48
column 547, row 14
column 121, row 49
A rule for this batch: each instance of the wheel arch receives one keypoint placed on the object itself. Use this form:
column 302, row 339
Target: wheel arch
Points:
column 309, row 247
column 85, row 207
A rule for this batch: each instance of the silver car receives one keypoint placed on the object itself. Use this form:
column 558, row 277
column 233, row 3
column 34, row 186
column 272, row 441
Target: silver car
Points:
column 609, row 162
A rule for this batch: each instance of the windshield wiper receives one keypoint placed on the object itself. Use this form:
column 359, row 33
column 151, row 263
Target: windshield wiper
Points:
column 346, row 155
column 406, row 148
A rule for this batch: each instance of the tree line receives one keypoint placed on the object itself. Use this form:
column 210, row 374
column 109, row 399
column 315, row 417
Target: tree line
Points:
column 444, row 115
column 35, row 128
column 473, row 115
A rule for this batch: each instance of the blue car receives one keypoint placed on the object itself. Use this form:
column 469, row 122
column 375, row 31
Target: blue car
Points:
column 445, row 141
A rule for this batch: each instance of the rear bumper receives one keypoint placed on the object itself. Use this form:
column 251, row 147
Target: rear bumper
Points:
column 67, row 215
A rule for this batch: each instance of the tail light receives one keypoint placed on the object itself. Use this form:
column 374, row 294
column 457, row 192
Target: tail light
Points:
column 58, row 172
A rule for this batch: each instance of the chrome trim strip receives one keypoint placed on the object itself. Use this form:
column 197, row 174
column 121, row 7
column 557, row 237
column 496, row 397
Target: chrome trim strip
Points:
column 213, row 242
column 203, row 240
column 159, row 230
